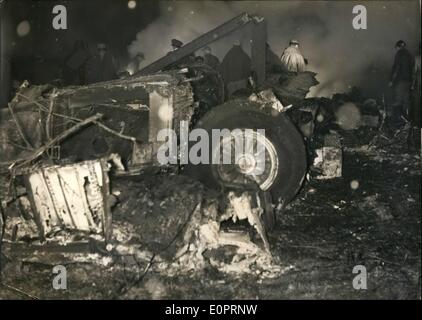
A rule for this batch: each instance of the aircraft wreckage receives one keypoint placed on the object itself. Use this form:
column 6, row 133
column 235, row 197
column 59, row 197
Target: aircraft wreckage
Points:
column 69, row 158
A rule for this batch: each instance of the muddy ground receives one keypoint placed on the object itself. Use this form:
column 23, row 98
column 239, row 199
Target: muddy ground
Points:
column 327, row 230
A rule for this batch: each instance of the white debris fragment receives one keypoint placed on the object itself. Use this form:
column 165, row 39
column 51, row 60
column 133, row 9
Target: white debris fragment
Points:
column 204, row 235
column 329, row 159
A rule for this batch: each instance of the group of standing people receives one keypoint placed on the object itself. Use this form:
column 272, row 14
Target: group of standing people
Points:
column 82, row 66
column 236, row 66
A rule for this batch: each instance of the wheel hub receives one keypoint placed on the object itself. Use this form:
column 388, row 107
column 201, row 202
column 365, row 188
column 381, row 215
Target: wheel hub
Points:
column 247, row 163
column 256, row 165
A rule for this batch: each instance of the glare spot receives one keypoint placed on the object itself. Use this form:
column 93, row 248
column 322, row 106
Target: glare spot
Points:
column 165, row 113
column 320, row 118
column 348, row 116
column 354, row 184
column 170, row 9
column 23, row 28
column 131, row 4
column 130, row 70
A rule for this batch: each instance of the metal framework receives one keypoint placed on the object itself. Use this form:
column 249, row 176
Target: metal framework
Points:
column 259, row 36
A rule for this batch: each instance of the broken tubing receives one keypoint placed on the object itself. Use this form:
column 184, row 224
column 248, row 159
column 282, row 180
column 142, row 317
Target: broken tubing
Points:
column 249, row 147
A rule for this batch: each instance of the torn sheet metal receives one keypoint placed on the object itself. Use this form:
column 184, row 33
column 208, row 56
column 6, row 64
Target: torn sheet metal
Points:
column 268, row 98
column 206, row 243
column 240, row 208
column 71, row 197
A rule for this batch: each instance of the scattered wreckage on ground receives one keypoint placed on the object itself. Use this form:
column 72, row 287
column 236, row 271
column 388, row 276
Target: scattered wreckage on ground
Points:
column 63, row 148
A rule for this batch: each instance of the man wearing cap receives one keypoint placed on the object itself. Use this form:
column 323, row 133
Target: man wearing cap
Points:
column 211, row 59
column 176, row 45
column 136, row 63
column 292, row 59
column 139, row 58
column 400, row 81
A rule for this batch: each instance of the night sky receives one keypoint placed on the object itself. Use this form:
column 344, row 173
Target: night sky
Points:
column 341, row 56
column 38, row 55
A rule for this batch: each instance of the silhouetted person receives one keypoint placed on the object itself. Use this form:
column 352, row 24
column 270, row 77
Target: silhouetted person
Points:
column 137, row 62
column 401, row 80
column 211, row 59
column 74, row 69
column 414, row 138
column 235, row 69
column 292, row 59
column 102, row 66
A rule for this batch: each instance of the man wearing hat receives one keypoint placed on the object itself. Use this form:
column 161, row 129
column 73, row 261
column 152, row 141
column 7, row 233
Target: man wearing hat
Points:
column 211, row 59
column 292, row 59
column 176, row 44
column 136, row 63
column 401, row 81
